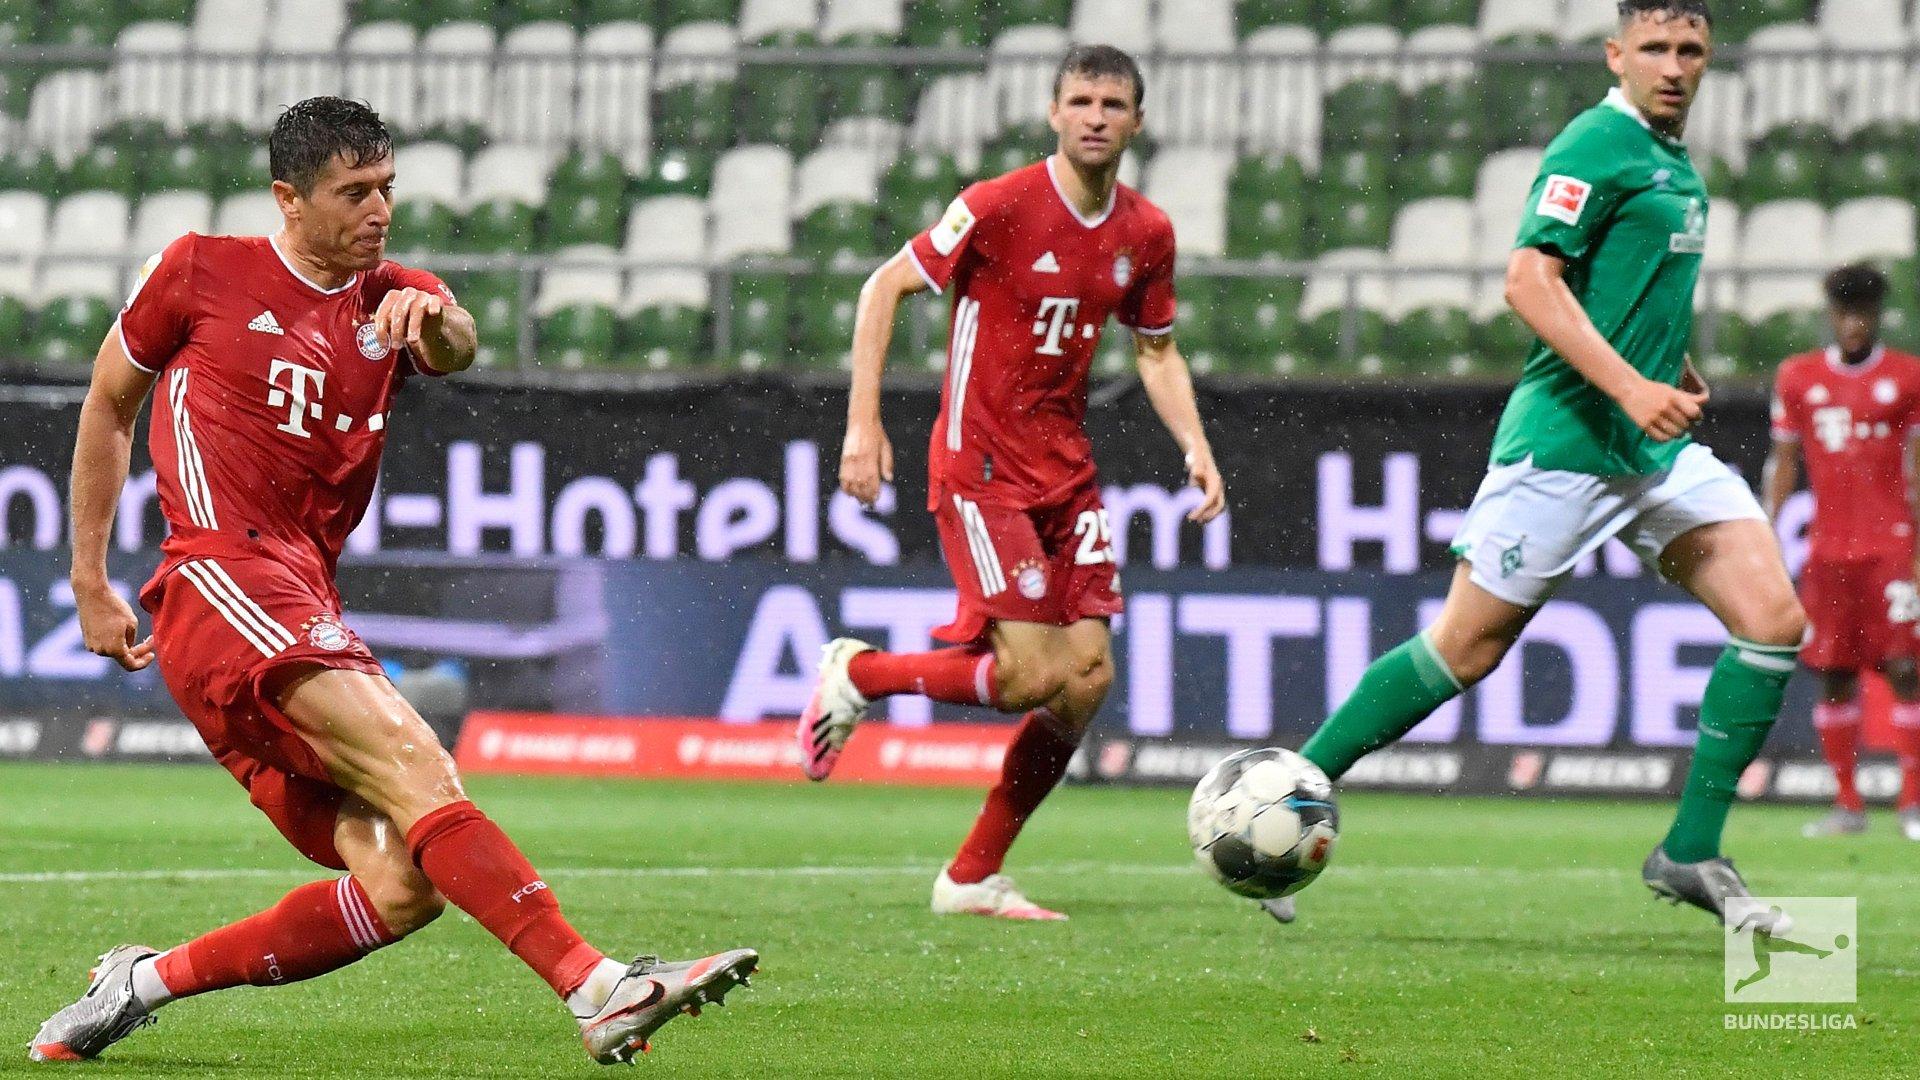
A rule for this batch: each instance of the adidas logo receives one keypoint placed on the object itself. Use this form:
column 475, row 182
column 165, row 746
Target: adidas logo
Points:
column 1046, row 264
column 265, row 323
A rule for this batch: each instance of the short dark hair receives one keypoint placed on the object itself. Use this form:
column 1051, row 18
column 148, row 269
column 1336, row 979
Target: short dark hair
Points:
column 1673, row 9
column 1100, row 61
column 319, row 129
column 1856, row 287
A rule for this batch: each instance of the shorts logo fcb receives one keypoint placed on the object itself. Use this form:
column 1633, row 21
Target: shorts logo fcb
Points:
column 325, row 632
column 1564, row 199
column 370, row 344
column 1031, row 579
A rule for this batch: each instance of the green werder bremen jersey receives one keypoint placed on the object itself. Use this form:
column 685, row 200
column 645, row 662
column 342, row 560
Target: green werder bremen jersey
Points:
column 1623, row 205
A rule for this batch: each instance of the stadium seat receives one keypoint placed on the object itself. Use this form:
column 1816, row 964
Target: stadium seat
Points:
column 1190, row 184
column 1198, row 326
column 780, row 104
column 778, row 23
column 13, row 318
column 1518, row 20
column 574, row 306
column 1016, row 148
column 65, row 110
column 752, row 187
column 1790, row 163
column 1787, row 74
column 677, row 170
column 616, row 78
column 89, row 223
column 675, row 13
column 1442, row 53
column 823, row 318
column 955, row 115
column 506, row 187
column 1737, row 22
column 864, row 21
column 695, row 83
column 82, row 23
column 1124, row 24
column 218, row 90
column 946, row 24
column 1196, row 89
column 1449, row 114
column 1361, row 54
column 1779, row 243
column 914, row 191
column 574, row 220
column 1259, row 14
column 1717, row 128
column 1867, row 169
column 250, row 213
column 1721, row 348
column 664, row 316
column 1368, row 112
column 161, row 219
column 1588, row 21
column 67, row 329
column 1869, row 84
column 759, row 309
column 494, row 299
column 1339, row 278
column 1432, row 331
column 535, row 74
column 1719, row 288
column 306, row 40
column 1877, row 229
column 835, row 191
column 1267, row 203
column 103, row 166
column 1501, row 343
column 456, row 82
column 431, row 172
column 23, row 233
column 668, row 231
column 1416, row 14
column 410, row 12
column 1020, row 66
column 588, row 171
column 522, row 12
column 381, row 70
column 1003, row 15
column 1282, row 92
column 1435, row 173
column 1500, row 191
column 19, row 21
column 1528, row 104
column 150, row 72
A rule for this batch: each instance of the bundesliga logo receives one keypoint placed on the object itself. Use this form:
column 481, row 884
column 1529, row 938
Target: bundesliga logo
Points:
column 370, row 344
column 325, row 632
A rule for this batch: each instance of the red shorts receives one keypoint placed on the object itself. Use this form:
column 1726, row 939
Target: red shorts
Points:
column 1854, row 608
column 1045, row 564
column 221, row 629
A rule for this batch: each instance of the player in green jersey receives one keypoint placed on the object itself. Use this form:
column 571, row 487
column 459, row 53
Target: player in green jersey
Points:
column 1593, row 446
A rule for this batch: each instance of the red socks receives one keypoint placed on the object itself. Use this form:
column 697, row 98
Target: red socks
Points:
column 319, row 927
column 1906, row 743
column 959, row 676
column 1036, row 760
column 1839, row 729
column 482, row 873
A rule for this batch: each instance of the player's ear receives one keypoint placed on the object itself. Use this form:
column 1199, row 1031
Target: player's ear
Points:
column 287, row 197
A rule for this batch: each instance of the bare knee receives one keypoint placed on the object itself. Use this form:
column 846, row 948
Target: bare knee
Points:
column 1470, row 657
column 1023, row 682
column 404, row 898
column 1780, row 621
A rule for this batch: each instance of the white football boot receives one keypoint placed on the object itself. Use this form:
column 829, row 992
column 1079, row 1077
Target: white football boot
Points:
column 832, row 712
column 1910, row 823
column 1282, row 910
column 652, row 993
column 105, row 1014
column 996, row 897
column 1840, row 821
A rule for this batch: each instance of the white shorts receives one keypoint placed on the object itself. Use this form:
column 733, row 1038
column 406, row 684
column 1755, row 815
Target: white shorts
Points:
column 1528, row 527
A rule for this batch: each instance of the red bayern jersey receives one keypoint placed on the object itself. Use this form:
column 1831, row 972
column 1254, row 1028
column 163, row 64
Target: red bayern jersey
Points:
column 1033, row 283
column 1854, row 423
column 272, row 402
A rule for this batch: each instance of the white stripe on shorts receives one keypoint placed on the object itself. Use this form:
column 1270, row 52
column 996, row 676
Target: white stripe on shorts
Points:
column 269, row 637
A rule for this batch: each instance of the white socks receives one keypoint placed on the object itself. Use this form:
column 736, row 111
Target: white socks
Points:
column 591, row 994
column 148, row 990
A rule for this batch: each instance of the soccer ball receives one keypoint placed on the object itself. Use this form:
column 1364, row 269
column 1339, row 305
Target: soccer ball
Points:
column 1263, row 823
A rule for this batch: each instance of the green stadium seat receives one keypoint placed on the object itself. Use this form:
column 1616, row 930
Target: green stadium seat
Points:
column 1871, row 170
column 103, row 166
column 590, row 172
column 19, row 21
column 824, row 318
column 68, row 331
column 1446, row 172
column 678, row 170
column 1002, row 14
column 1734, row 22
column 13, row 319
column 1450, row 114
column 866, row 92
column 666, row 336
column 1721, row 178
column 577, row 336
column 837, row 232
column 1366, row 222
column 584, row 219
column 915, row 190
column 1197, row 328
column 1434, row 341
column 780, row 105
column 33, row 170
column 946, row 24
column 412, row 12
column 1364, row 114
column 531, row 11
column 1345, row 13
column 1415, row 14
column 424, row 225
column 179, row 166
column 1258, row 326
column 1267, row 204
column 1529, row 104
column 1255, row 14
column 83, row 23
column 1503, row 341
column 498, row 227
column 697, row 114
column 439, row 12
column 494, row 300
column 1788, row 164
column 1785, row 333
column 1322, row 343
column 675, row 12
column 920, row 332
column 1355, row 174
column 1728, row 354
column 761, row 312
column 1016, row 148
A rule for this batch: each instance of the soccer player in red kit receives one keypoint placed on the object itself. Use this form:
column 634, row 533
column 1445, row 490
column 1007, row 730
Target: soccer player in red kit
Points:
column 1852, row 410
column 1036, row 261
column 278, row 360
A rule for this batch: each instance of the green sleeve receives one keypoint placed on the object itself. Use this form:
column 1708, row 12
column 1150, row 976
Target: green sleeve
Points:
column 1574, row 196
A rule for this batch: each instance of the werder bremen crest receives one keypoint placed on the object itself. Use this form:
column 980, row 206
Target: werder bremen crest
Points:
column 1694, row 240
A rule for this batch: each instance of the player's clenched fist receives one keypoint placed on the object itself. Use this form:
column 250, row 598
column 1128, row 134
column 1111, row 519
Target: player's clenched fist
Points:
column 110, row 630
column 866, row 460
column 404, row 317
column 1663, row 412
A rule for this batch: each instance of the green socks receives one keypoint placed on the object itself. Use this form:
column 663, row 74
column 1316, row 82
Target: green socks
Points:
column 1398, row 691
column 1741, row 702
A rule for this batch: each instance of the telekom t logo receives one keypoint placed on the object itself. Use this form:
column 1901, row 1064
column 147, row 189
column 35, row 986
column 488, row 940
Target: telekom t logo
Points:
column 303, row 404
column 1832, row 425
column 1054, row 321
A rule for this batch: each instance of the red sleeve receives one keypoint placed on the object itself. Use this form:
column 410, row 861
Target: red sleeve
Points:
column 938, row 252
column 1786, row 418
column 158, row 316
column 1149, row 306
column 389, row 276
column 1913, row 399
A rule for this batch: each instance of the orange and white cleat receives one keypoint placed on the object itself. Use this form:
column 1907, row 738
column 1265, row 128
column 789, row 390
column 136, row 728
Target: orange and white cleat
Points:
column 995, row 897
column 652, row 993
column 105, row 1014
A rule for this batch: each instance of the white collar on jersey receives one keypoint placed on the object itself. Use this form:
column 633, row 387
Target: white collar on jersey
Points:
column 304, row 279
column 1617, row 99
column 1097, row 220
column 1836, row 363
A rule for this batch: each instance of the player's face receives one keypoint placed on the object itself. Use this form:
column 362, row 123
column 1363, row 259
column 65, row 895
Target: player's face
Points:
column 346, row 217
column 1660, row 59
column 1095, row 118
column 1854, row 329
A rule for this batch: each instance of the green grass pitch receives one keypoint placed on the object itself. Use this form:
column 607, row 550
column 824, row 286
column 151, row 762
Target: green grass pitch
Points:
column 1462, row 937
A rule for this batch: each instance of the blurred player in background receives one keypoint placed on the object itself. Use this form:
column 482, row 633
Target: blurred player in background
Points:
column 1036, row 260
column 1852, row 410
column 279, row 359
column 1593, row 445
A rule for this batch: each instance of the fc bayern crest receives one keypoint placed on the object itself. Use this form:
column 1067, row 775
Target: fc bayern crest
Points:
column 1031, row 579
column 370, row 344
column 1122, row 269
column 325, row 632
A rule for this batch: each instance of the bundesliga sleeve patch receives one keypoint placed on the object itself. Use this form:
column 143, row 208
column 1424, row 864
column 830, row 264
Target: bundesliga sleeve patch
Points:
column 1564, row 199
column 953, row 227
column 140, row 279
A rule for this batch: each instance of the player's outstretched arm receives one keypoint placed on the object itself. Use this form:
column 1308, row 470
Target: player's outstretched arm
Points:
column 1163, row 371
column 866, row 456
column 100, row 455
column 1780, row 476
column 442, row 335
column 1537, row 291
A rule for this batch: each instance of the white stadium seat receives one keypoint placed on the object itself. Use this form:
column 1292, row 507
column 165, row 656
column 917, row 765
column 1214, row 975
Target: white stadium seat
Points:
column 954, row 116
column 23, row 223
column 841, row 19
column 161, row 219
column 698, row 52
column 313, row 28
column 664, row 288
column 752, row 187
column 669, row 230
column 1437, row 54
column 1868, row 84
column 508, row 171
column 1500, row 191
column 223, row 83
column 1328, row 282
column 1723, row 253
column 1125, row 24
column 573, row 280
column 1357, row 53
column 1190, row 184
column 763, row 19
column 1195, row 92
column 1431, row 232
column 616, row 78
column 1585, row 20
column 1194, row 26
column 875, row 133
column 433, row 171
column 71, row 280
column 1717, row 124
column 1020, row 66
column 1281, row 92
column 456, row 79
column 250, row 213
column 382, row 72
column 89, row 223
column 836, row 174
column 1784, row 235
column 150, row 73
column 66, row 109
column 533, row 84
column 1786, row 77
column 1880, row 229
column 1518, row 18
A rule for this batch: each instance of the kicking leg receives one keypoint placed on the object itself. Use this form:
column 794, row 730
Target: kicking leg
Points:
column 1903, row 676
column 1836, row 720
